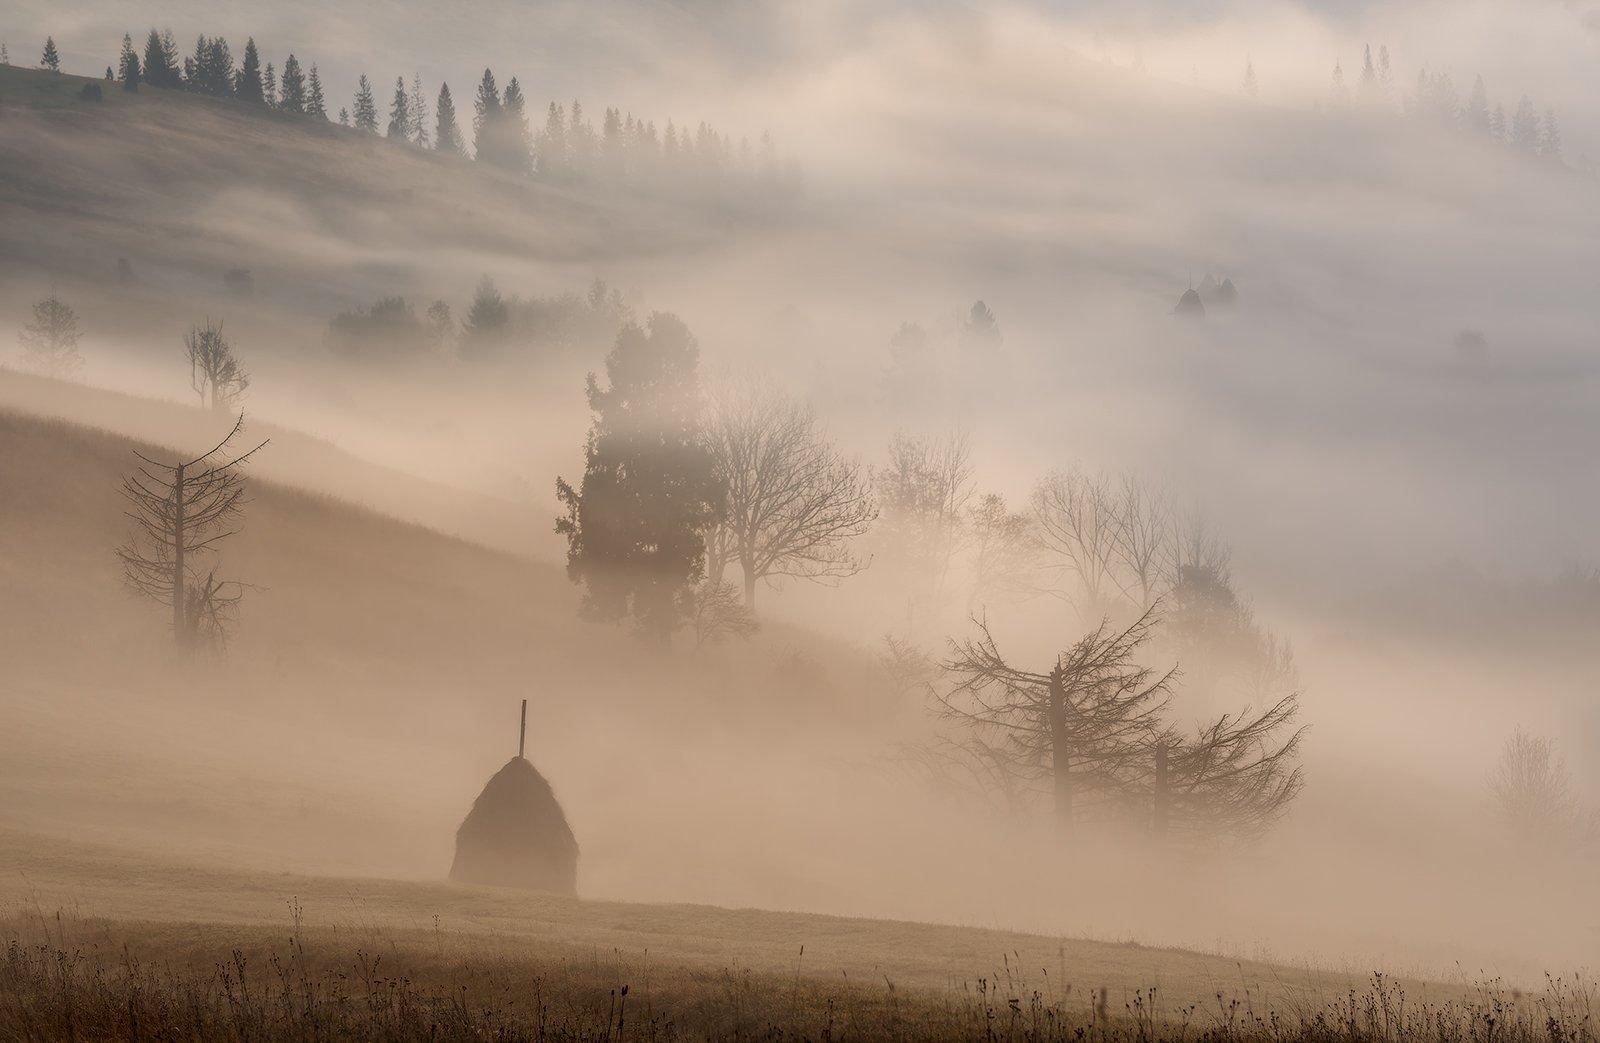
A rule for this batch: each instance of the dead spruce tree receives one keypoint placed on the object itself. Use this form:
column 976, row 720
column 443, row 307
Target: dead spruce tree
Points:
column 181, row 512
column 1083, row 728
column 794, row 503
column 214, row 371
column 1092, row 734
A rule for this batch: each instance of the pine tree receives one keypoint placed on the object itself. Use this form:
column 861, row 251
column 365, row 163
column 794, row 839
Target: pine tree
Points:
column 1251, row 89
column 110, row 77
column 344, row 117
column 553, row 142
column 515, row 147
column 400, row 112
column 446, row 135
column 1550, row 138
column 650, row 489
column 292, row 87
column 486, row 119
column 366, row 111
column 248, row 84
column 1339, row 94
column 418, row 113
column 1368, row 88
column 5, row 56
column 1525, row 128
column 316, row 105
column 51, row 59
column 170, row 59
column 269, row 87
column 1385, row 75
column 130, row 73
column 1497, row 125
column 158, row 71
column 1476, row 116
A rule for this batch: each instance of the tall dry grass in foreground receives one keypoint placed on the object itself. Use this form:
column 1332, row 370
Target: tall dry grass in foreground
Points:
column 68, row 979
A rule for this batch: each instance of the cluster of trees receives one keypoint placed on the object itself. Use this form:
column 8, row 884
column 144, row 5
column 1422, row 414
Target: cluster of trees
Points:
column 563, row 146
column 495, row 327
column 1436, row 98
column 1535, row 798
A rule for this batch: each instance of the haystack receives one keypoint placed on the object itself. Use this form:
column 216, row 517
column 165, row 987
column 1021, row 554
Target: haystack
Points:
column 516, row 834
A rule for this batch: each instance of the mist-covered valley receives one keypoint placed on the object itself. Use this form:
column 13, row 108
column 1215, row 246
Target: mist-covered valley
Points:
column 1114, row 475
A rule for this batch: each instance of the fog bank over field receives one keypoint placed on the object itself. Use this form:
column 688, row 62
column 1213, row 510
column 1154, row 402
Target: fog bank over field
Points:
column 1361, row 487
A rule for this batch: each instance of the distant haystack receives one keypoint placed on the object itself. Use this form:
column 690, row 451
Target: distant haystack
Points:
column 516, row 834
column 1189, row 304
column 1223, row 295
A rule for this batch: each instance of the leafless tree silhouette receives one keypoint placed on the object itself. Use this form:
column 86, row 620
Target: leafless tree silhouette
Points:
column 50, row 341
column 214, row 371
column 795, row 504
column 181, row 511
column 1533, row 791
column 1233, row 777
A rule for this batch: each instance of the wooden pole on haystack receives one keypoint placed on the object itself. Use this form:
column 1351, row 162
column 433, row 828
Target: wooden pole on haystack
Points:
column 522, row 733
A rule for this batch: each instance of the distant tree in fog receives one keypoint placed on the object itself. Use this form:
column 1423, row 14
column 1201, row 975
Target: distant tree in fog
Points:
column 51, row 59
column 292, row 87
column 1251, row 88
column 1003, row 549
column 5, row 56
column 516, row 147
column 129, row 71
column 417, row 113
column 717, row 611
column 635, row 526
column 488, row 320
column 248, row 84
column 344, row 117
column 269, row 87
column 1550, row 138
column 50, row 341
column 1476, row 116
column 795, row 504
column 316, row 104
column 214, row 370
column 553, row 142
column 440, row 325
column 981, row 329
column 388, row 330
column 923, row 491
column 1497, row 124
column 1524, row 134
column 1533, row 793
column 1338, row 93
column 446, row 135
column 210, row 70
column 486, row 120
column 180, row 513
column 399, row 113
column 160, row 64
column 366, row 110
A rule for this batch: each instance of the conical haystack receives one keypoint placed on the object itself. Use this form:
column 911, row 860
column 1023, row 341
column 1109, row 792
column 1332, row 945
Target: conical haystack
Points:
column 517, row 836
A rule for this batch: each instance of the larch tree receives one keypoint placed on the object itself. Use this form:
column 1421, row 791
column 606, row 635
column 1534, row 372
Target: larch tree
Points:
column 418, row 113
column 51, row 59
column 214, row 370
column 50, row 341
column 128, row 69
column 365, row 114
column 181, row 511
column 446, row 134
column 795, row 504
column 635, row 525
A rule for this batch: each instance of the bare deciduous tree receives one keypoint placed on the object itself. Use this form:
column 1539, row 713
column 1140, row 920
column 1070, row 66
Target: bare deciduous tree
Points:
column 1080, row 529
column 1533, row 791
column 924, row 491
column 214, row 370
column 50, row 341
column 717, row 611
column 794, row 503
column 181, row 511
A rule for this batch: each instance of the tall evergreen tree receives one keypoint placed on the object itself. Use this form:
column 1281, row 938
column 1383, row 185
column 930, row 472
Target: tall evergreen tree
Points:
column 1367, row 89
column 248, row 84
column 417, row 110
column 129, row 72
column 400, row 112
column 1251, row 88
column 1385, row 75
column 650, row 491
column 1497, row 124
column 446, row 135
column 269, row 87
column 366, row 110
column 344, row 117
column 1476, row 115
column 292, row 87
column 1525, row 128
column 5, row 56
column 553, row 143
column 486, row 120
column 1550, row 137
column 515, row 147
column 110, row 77
column 51, row 59
column 172, row 59
column 158, row 71
column 316, row 104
